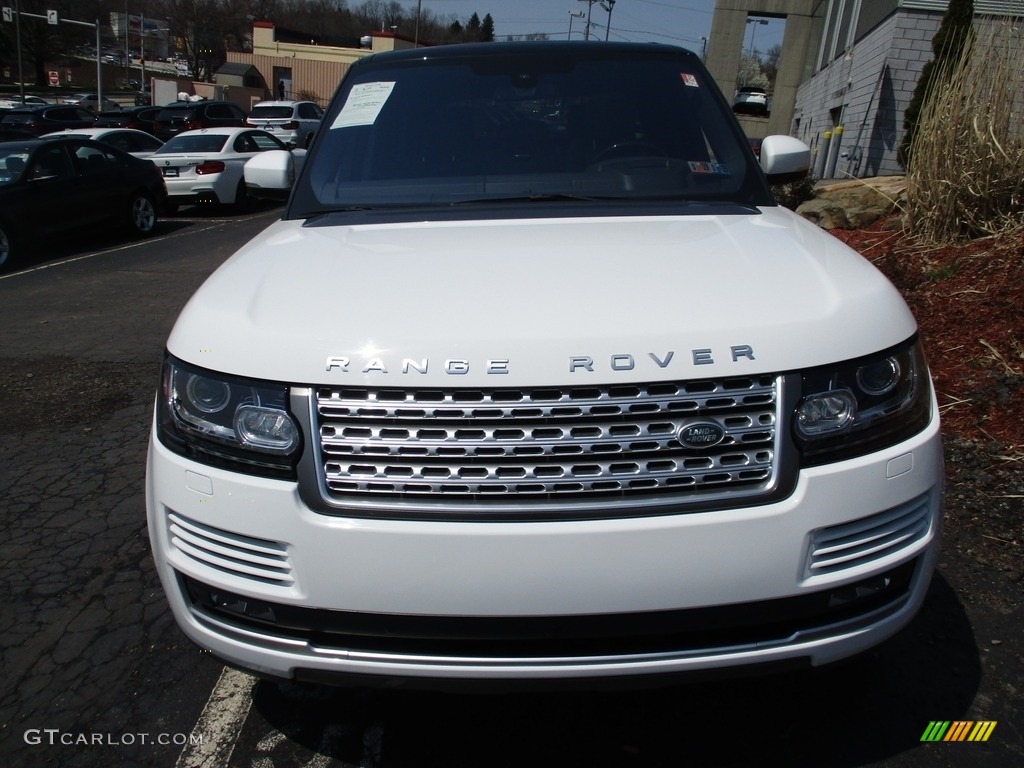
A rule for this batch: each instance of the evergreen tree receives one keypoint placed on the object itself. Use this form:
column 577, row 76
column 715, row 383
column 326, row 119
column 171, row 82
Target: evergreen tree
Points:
column 487, row 29
column 947, row 45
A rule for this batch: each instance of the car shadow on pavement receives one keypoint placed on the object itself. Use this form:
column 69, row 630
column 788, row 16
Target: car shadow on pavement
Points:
column 52, row 250
column 217, row 210
column 860, row 712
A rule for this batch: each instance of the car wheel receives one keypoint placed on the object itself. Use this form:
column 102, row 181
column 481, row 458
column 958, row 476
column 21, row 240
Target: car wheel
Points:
column 6, row 247
column 242, row 199
column 142, row 214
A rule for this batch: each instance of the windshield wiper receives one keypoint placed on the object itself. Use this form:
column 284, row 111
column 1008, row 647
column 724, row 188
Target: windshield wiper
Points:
column 537, row 197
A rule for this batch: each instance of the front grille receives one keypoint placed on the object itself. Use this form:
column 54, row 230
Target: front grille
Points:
column 572, row 444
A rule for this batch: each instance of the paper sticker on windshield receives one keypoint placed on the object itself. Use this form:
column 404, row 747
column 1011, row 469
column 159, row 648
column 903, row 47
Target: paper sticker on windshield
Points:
column 689, row 80
column 709, row 169
column 363, row 105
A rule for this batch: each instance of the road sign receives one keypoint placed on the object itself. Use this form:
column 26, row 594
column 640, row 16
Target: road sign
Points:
column 54, row 77
column 52, row 17
column 8, row 14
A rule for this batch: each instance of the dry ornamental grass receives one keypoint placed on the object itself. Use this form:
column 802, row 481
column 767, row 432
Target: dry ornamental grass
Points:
column 966, row 175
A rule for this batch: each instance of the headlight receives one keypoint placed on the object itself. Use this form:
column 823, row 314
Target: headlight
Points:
column 860, row 406
column 226, row 421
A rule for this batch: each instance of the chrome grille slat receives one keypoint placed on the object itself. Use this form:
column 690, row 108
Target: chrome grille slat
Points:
column 598, row 437
column 228, row 552
column 586, row 442
column 864, row 541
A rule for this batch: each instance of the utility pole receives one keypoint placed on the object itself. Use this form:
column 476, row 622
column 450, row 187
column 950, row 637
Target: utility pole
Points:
column 17, row 31
column 608, row 5
column 590, row 7
column 52, row 17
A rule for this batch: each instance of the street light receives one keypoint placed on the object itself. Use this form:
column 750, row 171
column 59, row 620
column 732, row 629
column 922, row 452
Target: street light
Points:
column 573, row 15
column 755, row 22
column 704, row 49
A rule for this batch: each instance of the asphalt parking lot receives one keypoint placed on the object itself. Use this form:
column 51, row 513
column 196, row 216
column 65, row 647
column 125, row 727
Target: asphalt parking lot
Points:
column 97, row 673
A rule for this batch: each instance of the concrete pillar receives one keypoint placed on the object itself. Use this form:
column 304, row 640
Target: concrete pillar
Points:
column 800, row 41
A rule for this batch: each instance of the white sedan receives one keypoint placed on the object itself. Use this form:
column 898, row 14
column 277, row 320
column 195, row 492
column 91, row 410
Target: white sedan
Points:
column 15, row 101
column 139, row 143
column 205, row 165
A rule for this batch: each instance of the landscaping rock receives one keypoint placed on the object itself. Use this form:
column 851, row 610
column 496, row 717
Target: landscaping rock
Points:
column 856, row 203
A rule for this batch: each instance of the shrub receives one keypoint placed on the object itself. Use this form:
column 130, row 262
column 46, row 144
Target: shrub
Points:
column 792, row 194
column 947, row 46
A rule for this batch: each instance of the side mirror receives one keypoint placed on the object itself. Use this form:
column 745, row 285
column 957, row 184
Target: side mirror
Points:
column 784, row 159
column 270, row 174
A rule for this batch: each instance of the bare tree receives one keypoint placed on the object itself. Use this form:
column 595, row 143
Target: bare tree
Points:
column 200, row 26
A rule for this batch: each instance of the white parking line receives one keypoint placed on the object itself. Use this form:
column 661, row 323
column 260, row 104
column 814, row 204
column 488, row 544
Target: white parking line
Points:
column 220, row 722
column 213, row 224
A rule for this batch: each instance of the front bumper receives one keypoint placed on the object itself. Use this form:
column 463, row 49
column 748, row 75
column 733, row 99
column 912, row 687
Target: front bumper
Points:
column 267, row 584
column 214, row 188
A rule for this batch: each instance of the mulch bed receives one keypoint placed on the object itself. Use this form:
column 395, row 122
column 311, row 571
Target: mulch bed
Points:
column 969, row 303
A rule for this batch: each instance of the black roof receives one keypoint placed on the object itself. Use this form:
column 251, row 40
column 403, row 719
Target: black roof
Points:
column 235, row 68
column 32, row 108
column 15, row 134
column 27, row 143
column 196, row 103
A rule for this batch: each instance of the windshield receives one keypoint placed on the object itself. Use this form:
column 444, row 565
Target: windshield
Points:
column 205, row 142
column 270, row 113
column 554, row 122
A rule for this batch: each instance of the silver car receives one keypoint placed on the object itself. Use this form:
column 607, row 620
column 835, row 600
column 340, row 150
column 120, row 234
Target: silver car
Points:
column 92, row 102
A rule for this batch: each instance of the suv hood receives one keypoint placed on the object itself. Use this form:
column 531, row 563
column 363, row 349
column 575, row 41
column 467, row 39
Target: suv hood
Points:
column 539, row 301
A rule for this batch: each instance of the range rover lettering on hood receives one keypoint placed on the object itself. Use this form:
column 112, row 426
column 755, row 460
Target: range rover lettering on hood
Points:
column 498, row 366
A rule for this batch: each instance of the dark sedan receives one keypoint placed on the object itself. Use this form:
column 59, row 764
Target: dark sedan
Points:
column 66, row 185
column 40, row 119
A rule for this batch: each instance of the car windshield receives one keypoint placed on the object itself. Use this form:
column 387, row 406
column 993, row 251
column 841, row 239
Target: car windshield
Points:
column 556, row 126
column 270, row 113
column 200, row 142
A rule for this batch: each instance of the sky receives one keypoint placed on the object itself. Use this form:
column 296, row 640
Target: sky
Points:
column 673, row 22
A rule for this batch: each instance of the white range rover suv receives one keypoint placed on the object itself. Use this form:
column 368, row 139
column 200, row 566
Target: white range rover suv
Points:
column 535, row 381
